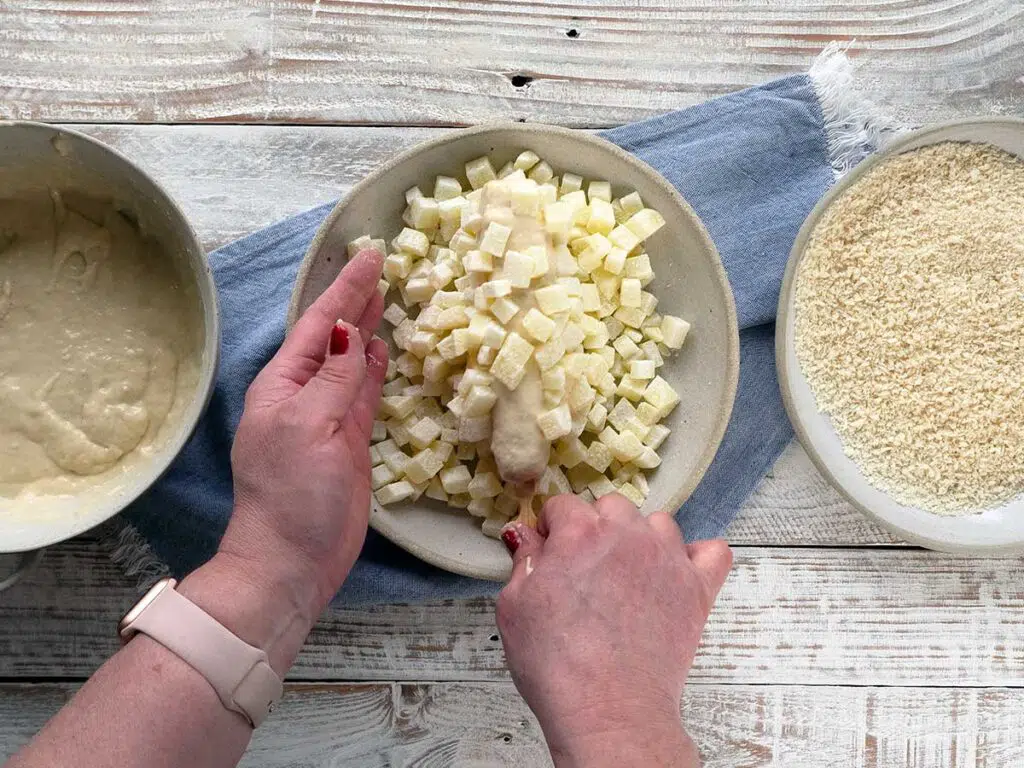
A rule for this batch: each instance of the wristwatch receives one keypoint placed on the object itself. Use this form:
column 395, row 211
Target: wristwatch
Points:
column 238, row 672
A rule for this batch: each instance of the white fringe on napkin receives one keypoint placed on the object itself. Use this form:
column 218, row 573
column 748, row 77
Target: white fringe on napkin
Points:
column 854, row 127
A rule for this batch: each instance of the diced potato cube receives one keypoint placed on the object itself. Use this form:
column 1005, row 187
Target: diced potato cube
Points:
column 553, row 379
column 479, row 401
column 581, row 396
column 621, row 413
column 657, row 436
column 626, row 347
column 552, row 299
column 423, row 466
column 495, row 288
column 660, row 394
column 480, row 171
column 506, row 170
column 639, row 267
column 381, row 475
column 601, row 486
column 526, row 160
column 615, row 261
column 642, row 369
column 412, row 193
column 481, row 507
column 654, row 333
column 558, row 218
column 485, row 355
column 435, row 367
column 441, row 275
column 647, row 413
column 607, row 283
column 553, row 482
column 419, row 290
column 632, row 493
column 581, row 476
column 549, row 354
column 495, row 238
column 600, row 190
column 650, row 351
column 629, row 292
column 537, row 325
column 632, row 388
column 570, row 452
column 524, row 198
column 570, row 183
column 599, row 456
column 648, row 302
column 423, row 433
column 456, row 479
column 624, row 238
column 398, row 265
column 648, row 458
column 597, row 247
column 555, row 423
column 412, row 241
column 484, row 485
column 380, row 432
column 626, row 447
column 399, row 406
column 394, row 493
column 493, row 524
column 674, row 330
column 645, row 223
column 504, row 309
column 424, row 213
column 478, row 261
column 602, row 217
column 435, row 490
column 631, row 316
column 596, row 418
column 517, row 269
column 590, row 296
column 474, row 429
column 397, row 460
column 510, row 365
column 637, row 427
column 462, row 242
column 446, row 188
column 572, row 337
column 459, row 500
column 541, row 172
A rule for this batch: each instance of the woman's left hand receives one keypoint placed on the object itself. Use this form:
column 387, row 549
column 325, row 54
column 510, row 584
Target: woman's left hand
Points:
column 301, row 459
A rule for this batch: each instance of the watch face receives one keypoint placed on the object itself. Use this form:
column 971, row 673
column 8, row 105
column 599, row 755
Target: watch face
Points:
column 144, row 603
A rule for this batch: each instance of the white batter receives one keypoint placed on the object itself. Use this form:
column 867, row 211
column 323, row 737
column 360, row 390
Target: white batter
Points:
column 99, row 345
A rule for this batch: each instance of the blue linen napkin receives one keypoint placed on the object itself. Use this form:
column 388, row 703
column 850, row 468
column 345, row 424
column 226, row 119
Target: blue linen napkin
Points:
column 752, row 164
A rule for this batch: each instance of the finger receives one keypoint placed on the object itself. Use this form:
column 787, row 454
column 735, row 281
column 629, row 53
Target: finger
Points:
column 369, row 321
column 364, row 409
column 616, row 508
column 345, row 299
column 526, row 546
column 666, row 527
column 713, row 560
column 559, row 512
column 336, row 385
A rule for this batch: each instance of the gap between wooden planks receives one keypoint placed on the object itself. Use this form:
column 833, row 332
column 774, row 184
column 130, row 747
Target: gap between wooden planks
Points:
column 424, row 62
column 471, row 725
column 874, row 617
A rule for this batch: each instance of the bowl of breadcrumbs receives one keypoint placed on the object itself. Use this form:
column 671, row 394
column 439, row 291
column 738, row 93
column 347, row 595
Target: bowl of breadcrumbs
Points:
column 900, row 342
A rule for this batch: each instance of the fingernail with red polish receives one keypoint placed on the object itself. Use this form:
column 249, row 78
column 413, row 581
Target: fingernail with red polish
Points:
column 339, row 340
column 511, row 538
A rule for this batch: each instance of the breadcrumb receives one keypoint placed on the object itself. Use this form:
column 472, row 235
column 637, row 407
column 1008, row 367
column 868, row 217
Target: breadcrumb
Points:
column 909, row 324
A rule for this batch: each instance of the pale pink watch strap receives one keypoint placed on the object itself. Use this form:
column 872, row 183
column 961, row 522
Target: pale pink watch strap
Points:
column 238, row 672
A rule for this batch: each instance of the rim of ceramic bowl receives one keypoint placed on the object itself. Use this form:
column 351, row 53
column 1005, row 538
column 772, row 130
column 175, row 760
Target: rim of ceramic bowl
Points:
column 210, row 354
column 783, row 337
column 457, row 134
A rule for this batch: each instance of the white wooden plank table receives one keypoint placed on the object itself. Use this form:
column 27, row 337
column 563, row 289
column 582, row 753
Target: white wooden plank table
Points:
column 832, row 644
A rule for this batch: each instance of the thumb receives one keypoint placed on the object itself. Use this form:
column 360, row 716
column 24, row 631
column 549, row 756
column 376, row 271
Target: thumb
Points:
column 526, row 547
column 335, row 387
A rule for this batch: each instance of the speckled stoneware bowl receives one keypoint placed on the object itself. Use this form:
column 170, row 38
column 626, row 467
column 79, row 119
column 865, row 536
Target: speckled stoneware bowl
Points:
column 994, row 531
column 690, row 282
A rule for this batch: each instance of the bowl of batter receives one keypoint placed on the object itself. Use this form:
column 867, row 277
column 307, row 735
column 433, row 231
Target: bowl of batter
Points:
column 108, row 333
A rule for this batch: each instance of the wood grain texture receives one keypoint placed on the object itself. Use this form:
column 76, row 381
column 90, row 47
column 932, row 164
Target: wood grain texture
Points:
column 453, row 62
column 786, row 616
column 474, row 725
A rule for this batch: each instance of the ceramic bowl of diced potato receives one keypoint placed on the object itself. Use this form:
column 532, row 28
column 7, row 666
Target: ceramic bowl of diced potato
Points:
column 559, row 322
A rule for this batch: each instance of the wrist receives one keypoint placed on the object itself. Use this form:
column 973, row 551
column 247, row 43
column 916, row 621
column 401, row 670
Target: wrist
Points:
column 264, row 606
column 650, row 741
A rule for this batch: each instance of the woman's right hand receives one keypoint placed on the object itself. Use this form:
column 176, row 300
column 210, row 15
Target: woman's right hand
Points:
column 601, row 621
